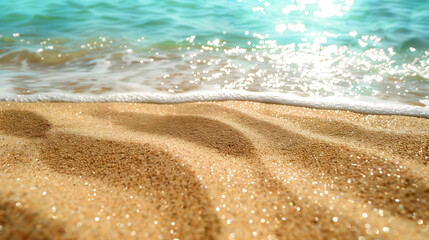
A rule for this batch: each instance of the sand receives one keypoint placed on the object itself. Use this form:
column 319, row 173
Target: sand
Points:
column 214, row 170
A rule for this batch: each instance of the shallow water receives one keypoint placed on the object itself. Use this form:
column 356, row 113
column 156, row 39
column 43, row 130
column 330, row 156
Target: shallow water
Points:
column 342, row 54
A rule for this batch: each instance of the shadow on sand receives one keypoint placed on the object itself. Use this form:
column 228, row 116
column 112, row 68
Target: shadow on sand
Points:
column 224, row 138
column 175, row 190
column 373, row 178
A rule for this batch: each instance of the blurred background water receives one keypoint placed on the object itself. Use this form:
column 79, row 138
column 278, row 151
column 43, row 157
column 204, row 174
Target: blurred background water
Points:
column 362, row 50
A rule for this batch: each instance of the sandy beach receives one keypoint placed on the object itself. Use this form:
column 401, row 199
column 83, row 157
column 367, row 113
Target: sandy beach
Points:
column 210, row 170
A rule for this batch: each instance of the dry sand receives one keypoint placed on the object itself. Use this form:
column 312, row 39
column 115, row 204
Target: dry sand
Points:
column 216, row 170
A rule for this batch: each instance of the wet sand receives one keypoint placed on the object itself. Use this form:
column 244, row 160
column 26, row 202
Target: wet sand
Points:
column 214, row 170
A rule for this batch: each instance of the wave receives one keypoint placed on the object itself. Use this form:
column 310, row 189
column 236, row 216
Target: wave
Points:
column 312, row 53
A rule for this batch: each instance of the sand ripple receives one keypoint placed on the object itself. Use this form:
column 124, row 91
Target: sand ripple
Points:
column 210, row 171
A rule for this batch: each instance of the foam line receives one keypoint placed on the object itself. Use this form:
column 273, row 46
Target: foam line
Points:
column 362, row 105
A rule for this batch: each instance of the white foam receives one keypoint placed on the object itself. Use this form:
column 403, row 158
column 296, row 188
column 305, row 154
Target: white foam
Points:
column 362, row 105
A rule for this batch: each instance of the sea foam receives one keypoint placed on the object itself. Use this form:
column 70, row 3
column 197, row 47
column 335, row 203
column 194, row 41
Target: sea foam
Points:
column 362, row 105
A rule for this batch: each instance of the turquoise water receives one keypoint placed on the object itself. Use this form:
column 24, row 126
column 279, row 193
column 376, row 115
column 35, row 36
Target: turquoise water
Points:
column 359, row 51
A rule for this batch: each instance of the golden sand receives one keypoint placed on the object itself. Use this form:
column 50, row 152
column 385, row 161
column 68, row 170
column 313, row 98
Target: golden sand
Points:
column 215, row 170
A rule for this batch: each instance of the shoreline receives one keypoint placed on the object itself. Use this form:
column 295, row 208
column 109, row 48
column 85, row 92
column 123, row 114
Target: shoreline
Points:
column 364, row 105
column 212, row 170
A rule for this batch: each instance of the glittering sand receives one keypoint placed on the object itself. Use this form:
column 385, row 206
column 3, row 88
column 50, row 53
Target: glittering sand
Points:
column 214, row 170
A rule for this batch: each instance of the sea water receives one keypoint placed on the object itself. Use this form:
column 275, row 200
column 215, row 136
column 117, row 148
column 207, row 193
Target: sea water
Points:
column 363, row 55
